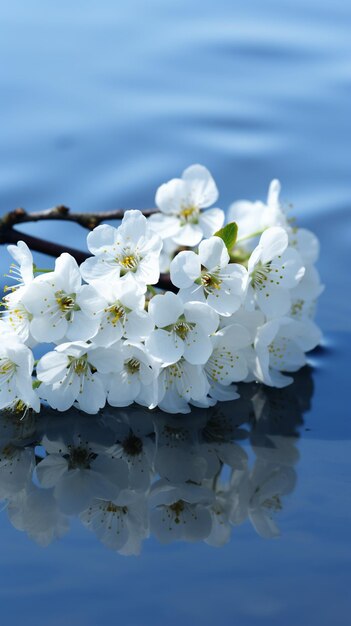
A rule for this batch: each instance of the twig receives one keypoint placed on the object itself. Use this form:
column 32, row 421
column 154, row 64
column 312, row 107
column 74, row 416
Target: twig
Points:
column 63, row 213
column 44, row 246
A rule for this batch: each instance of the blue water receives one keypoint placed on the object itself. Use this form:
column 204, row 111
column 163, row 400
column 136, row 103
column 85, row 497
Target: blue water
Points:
column 100, row 103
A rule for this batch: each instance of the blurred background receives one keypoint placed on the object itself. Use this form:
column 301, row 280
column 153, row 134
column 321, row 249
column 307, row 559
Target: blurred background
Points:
column 101, row 102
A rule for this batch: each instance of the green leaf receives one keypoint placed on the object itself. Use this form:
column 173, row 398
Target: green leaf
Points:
column 229, row 234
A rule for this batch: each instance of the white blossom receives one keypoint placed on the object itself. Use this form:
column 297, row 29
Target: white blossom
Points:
column 120, row 308
column 22, row 270
column 280, row 346
column 228, row 361
column 73, row 372
column 274, row 269
column 180, row 201
column 135, row 380
column 253, row 217
column 60, row 306
column 179, row 384
column 132, row 250
column 17, row 316
column 16, row 366
column 209, row 277
column 182, row 330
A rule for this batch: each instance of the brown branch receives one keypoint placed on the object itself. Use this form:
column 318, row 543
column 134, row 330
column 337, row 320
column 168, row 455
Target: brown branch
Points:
column 44, row 246
column 63, row 213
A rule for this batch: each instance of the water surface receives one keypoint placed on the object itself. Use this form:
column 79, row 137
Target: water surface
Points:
column 100, row 103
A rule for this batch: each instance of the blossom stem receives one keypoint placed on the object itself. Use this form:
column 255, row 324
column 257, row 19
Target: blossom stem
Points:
column 251, row 236
column 152, row 290
column 40, row 270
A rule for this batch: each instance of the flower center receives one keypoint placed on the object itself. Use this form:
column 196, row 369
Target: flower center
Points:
column 128, row 261
column 80, row 366
column 116, row 313
column 260, row 274
column 132, row 445
column 7, row 369
column 177, row 508
column 182, row 329
column 189, row 214
column 20, row 407
column 132, row 365
column 65, row 301
column 114, row 508
column 216, row 430
column 8, row 452
column 80, row 458
column 210, row 282
column 273, row 503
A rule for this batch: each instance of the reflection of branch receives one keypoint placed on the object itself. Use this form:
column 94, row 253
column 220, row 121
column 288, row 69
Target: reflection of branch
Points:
column 88, row 220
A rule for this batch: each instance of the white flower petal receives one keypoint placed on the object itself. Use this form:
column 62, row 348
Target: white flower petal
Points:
column 165, row 309
column 164, row 346
column 164, row 225
column 203, row 188
column 138, row 325
column 102, row 237
column 66, row 268
column 185, row 269
column 273, row 193
column 188, row 235
column 96, row 268
column 203, row 315
column 106, row 360
column 52, row 367
column 213, row 253
column 274, row 242
column 92, row 396
column 274, row 301
column 307, row 244
column 170, row 196
column 124, row 390
column 210, row 221
column 197, row 346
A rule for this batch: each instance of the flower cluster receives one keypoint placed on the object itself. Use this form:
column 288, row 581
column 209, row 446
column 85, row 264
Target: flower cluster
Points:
column 237, row 309
column 131, row 474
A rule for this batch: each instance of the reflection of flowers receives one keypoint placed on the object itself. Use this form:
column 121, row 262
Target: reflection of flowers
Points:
column 121, row 524
column 258, row 494
column 127, row 474
column 79, row 471
column 180, row 512
column 36, row 512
